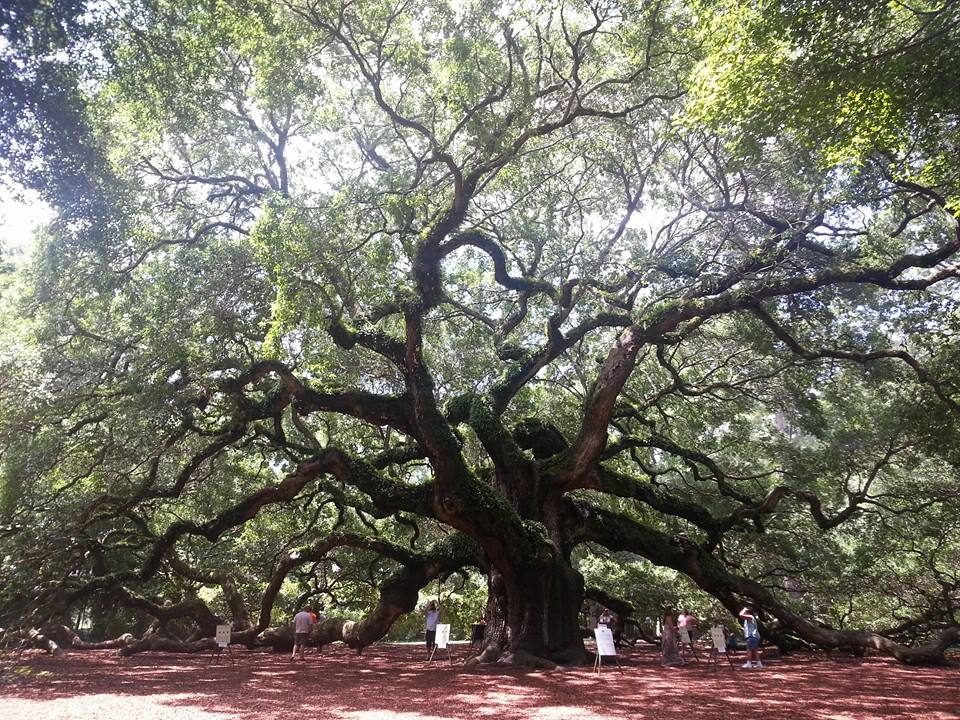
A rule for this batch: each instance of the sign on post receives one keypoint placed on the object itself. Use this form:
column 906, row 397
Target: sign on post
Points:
column 719, row 645
column 719, row 641
column 686, row 642
column 441, row 641
column 605, row 647
column 223, row 642
column 443, row 636
column 605, row 644
column 223, row 636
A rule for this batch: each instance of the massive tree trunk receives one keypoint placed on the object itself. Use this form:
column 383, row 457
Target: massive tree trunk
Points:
column 534, row 616
column 534, row 606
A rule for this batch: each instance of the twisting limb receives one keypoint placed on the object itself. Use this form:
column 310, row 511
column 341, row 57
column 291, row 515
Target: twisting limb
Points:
column 393, row 495
column 375, row 409
column 622, row 485
column 940, row 388
column 398, row 593
column 239, row 617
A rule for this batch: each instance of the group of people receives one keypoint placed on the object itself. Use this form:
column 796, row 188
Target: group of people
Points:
column 303, row 621
column 676, row 632
column 679, row 632
column 432, row 618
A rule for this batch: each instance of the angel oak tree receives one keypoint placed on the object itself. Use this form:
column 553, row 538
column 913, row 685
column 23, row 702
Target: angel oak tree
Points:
column 492, row 285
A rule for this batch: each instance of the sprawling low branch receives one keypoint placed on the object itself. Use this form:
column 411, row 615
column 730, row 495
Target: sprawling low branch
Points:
column 235, row 601
column 398, row 592
column 617, row 532
column 623, row 485
column 392, row 494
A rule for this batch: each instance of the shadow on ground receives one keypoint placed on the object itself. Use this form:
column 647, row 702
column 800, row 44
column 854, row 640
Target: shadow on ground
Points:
column 393, row 682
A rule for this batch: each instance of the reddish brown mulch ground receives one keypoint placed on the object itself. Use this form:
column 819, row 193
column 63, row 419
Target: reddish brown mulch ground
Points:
column 392, row 682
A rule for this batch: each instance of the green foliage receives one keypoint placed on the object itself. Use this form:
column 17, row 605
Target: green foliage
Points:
column 850, row 80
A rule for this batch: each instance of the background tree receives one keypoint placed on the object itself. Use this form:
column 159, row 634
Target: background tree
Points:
column 370, row 294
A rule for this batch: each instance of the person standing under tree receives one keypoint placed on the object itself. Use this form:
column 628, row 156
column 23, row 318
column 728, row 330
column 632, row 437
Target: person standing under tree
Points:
column 751, row 635
column 302, row 622
column 687, row 621
column 606, row 618
column 669, row 654
column 432, row 618
column 731, row 638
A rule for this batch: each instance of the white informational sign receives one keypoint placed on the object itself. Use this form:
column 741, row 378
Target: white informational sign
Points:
column 719, row 641
column 443, row 636
column 685, row 637
column 223, row 635
column 605, row 646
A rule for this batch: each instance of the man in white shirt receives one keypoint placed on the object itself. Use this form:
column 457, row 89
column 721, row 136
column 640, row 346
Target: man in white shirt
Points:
column 432, row 618
column 751, row 634
column 302, row 622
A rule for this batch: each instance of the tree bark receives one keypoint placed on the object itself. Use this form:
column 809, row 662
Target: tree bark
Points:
column 68, row 638
column 39, row 640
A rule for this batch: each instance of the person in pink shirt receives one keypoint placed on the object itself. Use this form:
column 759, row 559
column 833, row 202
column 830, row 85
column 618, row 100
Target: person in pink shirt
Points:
column 686, row 620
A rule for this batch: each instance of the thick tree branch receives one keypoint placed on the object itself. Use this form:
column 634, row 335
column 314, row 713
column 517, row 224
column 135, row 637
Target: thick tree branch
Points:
column 387, row 493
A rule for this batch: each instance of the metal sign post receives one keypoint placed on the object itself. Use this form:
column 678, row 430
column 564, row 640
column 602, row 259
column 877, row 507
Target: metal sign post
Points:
column 686, row 641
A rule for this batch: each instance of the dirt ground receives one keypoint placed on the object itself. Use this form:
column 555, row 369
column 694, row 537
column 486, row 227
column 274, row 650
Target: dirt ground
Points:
column 393, row 682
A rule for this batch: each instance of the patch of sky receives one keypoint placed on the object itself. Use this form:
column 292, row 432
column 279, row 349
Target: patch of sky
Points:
column 22, row 213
